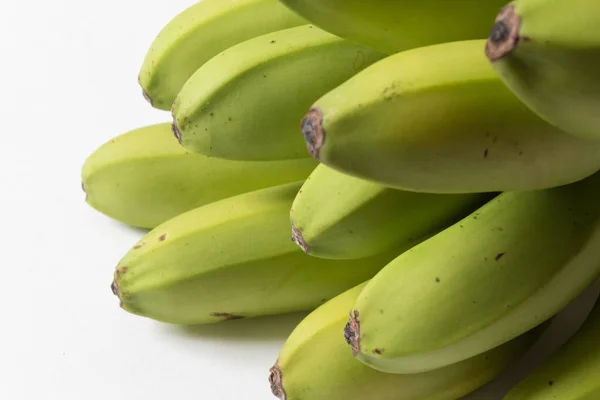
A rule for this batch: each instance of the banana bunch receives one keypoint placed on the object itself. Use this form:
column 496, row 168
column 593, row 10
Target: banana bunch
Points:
column 421, row 177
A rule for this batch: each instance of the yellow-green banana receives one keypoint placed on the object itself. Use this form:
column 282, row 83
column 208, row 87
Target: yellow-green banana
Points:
column 231, row 259
column 200, row 32
column 438, row 119
column 144, row 177
column 246, row 103
column 315, row 364
column 337, row 216
column 572, row 373
column 503, row 270
column 548, row 54
column 395, row 25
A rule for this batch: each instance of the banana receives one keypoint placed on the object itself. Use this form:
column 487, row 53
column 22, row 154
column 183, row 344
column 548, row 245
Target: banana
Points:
column 398, row 25
column 144, row 177
column 337, row 216
column 199, row 33
column 231, row 259
column 314, row 363
column 246, row 103
column 438, row 119
column 571, row 373
column 503, row 270
column 548, row 54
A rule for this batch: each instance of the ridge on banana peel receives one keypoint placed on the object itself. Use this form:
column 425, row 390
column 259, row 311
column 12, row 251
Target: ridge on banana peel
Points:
column 397, row 25
column 503, row 270
column 199, row 33
column 337, row 216
column 437, row 119
column 144, row 177
column 569, row 374
column 315, row 363
column 276, row 77
column 232, row 259
column 548, row 55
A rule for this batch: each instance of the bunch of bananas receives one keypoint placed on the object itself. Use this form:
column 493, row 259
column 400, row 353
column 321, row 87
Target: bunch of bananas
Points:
column 435, row 163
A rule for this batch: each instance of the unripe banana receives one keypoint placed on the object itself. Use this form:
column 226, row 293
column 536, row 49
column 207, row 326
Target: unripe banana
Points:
column 246, row 103
column 572, row 373
column 548, row 54
column 396, row 25
column 337, row 216
column 144, row 177
column 315, row 363
column 199, row 33
column 505, row 269
column 232, row 259
column 438, row 119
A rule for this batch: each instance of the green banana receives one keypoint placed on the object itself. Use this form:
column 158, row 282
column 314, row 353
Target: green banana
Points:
column 314, row 363
column 397, row 25
column 231, row 259
column 199, row 33
column 505, row 269
column 438, row 119
column 337, row 216
column 548, row 54
column 245, row 103
column 144, row 177
column 571, row 373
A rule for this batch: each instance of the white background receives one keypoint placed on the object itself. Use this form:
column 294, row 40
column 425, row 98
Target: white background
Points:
column 68, row 73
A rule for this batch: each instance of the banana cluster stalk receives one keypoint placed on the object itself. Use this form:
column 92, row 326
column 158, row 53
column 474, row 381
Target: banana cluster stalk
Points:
column 201, row 32
column 315, row 363
column 505, row 269
column 396, row 25
column 438, row 119
column 338, row 216
column 246, row 103
column 144, row 177
column 548, row 54
column 232, row 259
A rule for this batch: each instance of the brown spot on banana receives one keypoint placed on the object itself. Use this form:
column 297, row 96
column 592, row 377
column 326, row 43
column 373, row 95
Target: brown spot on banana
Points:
column 162, row 237
column 352, row 332
column 312, row 129
column 276, row 382
column 176, row 131
column 226, row 316
column 505, row 34
column 148, row 98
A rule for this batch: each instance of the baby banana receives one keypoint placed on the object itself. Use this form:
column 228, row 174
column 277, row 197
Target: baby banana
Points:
column 144, row 177
column 231, row 259
column 315, row 363
column 200, row 32
column 548, row 54
column 246, row 103
column 337, row 216
column 572, row 373
column 505, row 269
column 438, row 119
column 396, row 25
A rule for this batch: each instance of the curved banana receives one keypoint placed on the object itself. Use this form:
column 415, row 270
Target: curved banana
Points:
column 315, row 363
column 397, row 25
column 231, row 259
column 337, row 216
column 438, row 119
column 200, row 32
column 572, row 373
column 144, row 177
column 246, row 103
column 548, row 54
column 505, row 269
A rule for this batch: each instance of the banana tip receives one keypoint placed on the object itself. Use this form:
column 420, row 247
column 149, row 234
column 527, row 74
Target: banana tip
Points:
column 352, row 332
column 312, row 129
column 299, row 239
column 176, row 131
column 276, row 381
column 505, row 34
column 148, row 98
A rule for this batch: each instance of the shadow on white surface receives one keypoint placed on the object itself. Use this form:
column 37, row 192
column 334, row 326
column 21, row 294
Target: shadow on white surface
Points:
column 269, row 328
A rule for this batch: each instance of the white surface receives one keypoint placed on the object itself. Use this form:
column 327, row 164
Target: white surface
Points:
column 69, row 83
